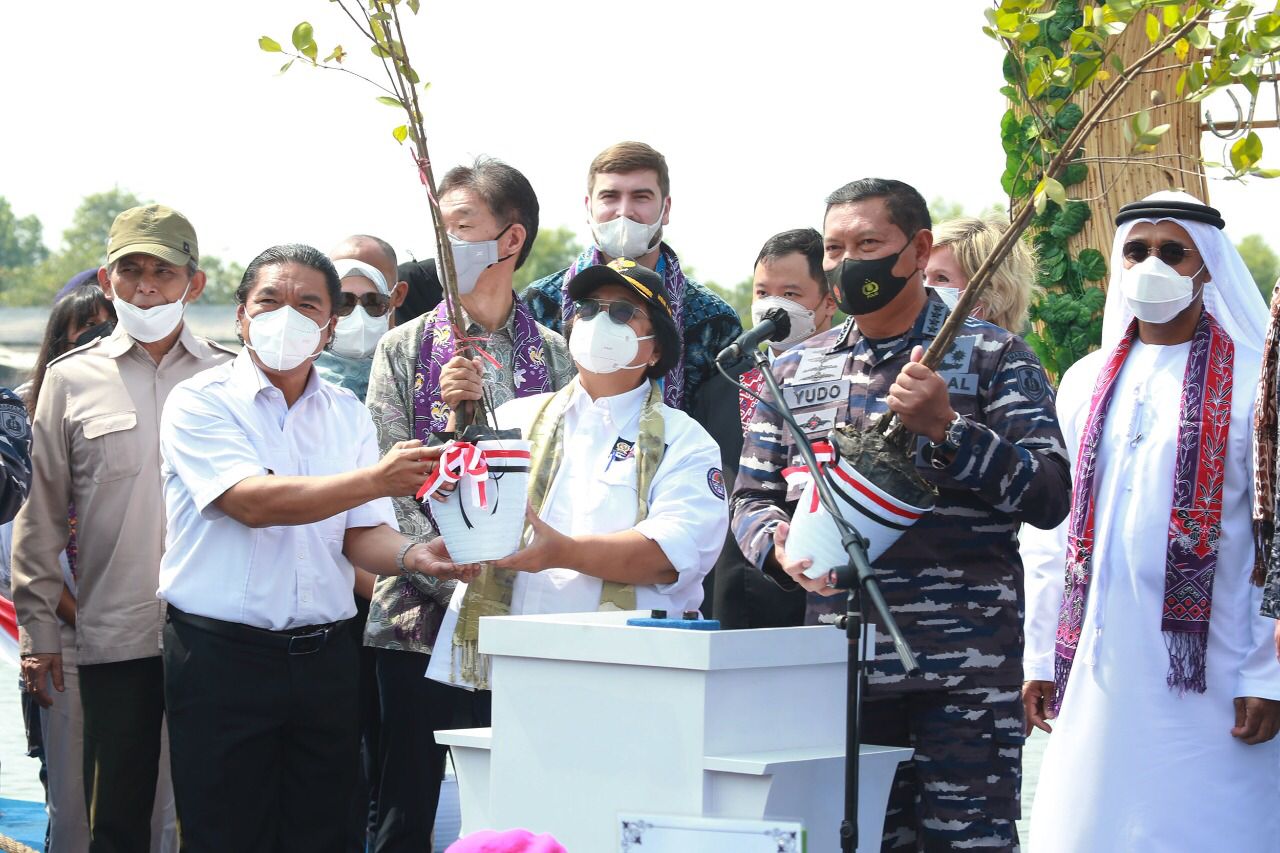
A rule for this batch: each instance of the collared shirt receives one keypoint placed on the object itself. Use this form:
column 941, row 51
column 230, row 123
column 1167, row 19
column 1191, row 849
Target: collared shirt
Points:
column 96, row 444
column 954, row 580
column 229, row 424
column 405, row 613
column 594, row 492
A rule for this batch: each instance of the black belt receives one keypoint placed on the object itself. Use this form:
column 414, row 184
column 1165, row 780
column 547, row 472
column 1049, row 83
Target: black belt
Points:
column 296, row 641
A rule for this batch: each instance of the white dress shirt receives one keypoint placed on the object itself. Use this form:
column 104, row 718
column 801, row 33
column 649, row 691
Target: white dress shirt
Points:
column 594, row 492
column 230, row 423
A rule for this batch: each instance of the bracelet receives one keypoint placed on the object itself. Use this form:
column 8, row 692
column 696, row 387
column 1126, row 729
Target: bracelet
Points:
column 404, row 551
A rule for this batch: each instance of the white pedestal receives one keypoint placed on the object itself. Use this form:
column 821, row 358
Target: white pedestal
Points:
column 592, row 717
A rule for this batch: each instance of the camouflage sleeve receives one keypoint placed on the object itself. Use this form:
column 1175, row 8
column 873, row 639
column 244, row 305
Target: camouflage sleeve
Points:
column 1271, row 594
column 15, row 455
column 759, row 495
column 1016, row 461
column 544, row 299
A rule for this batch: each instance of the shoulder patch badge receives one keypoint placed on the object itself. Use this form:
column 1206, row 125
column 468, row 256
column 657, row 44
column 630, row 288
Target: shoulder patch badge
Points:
column 715, row 480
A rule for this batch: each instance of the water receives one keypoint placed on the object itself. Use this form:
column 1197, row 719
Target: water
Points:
column 22, row 330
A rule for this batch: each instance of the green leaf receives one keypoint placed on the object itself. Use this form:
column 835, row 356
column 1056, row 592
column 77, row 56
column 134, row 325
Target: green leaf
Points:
column 1073, row 174
column 1199, row 37
column 1246, row 152
column 1071, row 220
column 413, row 6
column 1264, row 173
column 389, row 101
column 285, row 67
column 1091, row 264
column 1069, row 116
column 401, row 133
column 1171, row 16
column 270, row 45
column 303, row 35
column 1153, row 28
column 1054, row 190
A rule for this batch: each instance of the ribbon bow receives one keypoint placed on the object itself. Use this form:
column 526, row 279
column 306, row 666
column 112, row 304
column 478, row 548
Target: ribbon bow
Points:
column 800, row 475
column 461, row 461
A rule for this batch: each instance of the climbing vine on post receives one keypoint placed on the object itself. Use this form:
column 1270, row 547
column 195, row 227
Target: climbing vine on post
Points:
column 1063, row 78
column 379, row 24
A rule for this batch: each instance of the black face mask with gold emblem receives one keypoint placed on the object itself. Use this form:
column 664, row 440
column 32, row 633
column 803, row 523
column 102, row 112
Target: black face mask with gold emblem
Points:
column 863, row 286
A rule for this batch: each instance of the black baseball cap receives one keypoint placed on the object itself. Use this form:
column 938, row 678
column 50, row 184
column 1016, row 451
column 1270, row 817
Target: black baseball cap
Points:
column 625, row 272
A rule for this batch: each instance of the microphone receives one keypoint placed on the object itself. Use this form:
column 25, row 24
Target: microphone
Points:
column 775, row 324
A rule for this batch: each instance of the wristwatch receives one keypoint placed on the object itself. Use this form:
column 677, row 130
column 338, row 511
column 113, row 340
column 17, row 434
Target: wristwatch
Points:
column 404, row 551
column 942, row 453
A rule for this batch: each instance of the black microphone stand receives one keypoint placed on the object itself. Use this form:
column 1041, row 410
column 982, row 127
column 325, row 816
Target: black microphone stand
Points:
column 857, row 577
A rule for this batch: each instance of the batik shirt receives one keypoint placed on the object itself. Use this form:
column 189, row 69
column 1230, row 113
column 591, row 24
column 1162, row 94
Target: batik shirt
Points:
column 405, row 612
column 954, row 579
column 710, row 325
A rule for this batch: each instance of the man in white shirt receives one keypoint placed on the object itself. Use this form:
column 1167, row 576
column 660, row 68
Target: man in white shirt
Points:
column 273, row 489
column 1155, row 661
column 626, row 496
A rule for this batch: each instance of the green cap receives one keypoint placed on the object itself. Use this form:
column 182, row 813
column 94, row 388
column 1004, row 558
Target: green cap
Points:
column 153, row 230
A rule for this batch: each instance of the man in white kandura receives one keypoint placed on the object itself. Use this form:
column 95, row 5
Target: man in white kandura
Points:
column 627, row 503
column 1152, row 654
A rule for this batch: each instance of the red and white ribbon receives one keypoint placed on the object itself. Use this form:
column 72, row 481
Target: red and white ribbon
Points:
column 460, row 462
column 800, row 475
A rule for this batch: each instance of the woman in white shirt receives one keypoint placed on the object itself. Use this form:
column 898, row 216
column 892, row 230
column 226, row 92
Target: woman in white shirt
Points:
column 627, row 499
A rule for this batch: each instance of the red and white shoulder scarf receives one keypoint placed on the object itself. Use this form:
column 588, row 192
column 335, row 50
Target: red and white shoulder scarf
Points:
column 754, row 380
column 1195, row 522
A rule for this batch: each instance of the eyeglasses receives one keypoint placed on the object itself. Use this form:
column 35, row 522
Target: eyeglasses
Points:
column 619, row 312
column 375, row 304
column 1170, row 252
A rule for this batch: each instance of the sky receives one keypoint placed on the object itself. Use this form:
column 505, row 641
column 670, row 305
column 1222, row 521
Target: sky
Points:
column 761, row 109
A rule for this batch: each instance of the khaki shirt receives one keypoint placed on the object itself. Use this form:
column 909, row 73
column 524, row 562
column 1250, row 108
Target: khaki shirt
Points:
column 96, row 444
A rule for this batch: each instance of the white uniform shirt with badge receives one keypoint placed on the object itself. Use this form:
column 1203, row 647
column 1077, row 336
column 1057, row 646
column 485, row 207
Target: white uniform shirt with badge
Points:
column 594, row 492
column 231, row 423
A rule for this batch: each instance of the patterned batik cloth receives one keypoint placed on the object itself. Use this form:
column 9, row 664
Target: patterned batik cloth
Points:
column 1266, row 437
column 1195, row 523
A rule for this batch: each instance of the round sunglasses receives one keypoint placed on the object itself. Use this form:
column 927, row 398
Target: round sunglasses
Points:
column 374, row 303
column 1170, row 252
column 619, row 312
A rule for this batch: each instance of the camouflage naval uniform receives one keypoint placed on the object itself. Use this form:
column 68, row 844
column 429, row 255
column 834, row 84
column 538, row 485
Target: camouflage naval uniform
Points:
column 953, row 581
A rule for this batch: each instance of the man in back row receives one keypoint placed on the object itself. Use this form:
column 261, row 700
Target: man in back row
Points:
column 628, row 203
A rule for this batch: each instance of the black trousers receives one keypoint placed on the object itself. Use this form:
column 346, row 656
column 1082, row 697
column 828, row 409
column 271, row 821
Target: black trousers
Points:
column 411, row 763
column 363, row 818
column 263, row 743
column 123, row 705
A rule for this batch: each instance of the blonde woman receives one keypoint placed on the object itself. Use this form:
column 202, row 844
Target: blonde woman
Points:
column 959, row 248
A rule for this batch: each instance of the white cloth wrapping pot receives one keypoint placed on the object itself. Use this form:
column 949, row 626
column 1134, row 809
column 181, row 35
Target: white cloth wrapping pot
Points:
column 474, row 534
column 880, row 517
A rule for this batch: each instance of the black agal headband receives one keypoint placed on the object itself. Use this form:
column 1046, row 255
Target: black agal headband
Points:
column 1157, row 208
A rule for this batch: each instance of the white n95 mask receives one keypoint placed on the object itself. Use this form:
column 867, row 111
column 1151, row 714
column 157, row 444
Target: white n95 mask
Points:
column 357, row 334
column 625, row 238
column 284, row 338
column 149, row 325
column 1155, row 292
column 803, row 323
column 603, row 346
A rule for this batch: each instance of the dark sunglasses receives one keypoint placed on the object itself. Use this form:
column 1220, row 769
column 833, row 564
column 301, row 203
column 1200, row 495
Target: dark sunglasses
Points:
column 1170, row 252
column 375, row 304
column 619, row 312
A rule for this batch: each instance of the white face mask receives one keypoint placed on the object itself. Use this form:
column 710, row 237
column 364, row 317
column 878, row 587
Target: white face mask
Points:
column 949, row 295
column 1155, row 292
column 625, row 238
column 803, row 322
column 472, row 259
column 149, row 325
column 284, row 338
column 600, row 345
column 357, row 334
